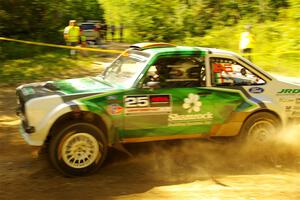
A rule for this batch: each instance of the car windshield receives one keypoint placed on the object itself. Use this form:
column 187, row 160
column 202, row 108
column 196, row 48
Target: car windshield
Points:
column 126, row 68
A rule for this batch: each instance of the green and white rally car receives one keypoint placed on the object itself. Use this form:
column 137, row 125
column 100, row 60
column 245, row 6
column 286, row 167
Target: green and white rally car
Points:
column 151, row 92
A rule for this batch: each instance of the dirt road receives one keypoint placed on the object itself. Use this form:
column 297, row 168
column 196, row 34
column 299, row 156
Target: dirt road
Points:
column 194, row 169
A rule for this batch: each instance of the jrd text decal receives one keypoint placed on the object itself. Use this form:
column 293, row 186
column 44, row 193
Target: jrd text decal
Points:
column 289, row 91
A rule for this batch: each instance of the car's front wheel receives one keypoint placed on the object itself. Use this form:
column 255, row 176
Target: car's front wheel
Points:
column 77, row 149
column 260, row 127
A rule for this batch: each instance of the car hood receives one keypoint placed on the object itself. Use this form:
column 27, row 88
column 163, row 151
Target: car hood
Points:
column 80, row 85
column 69, row 88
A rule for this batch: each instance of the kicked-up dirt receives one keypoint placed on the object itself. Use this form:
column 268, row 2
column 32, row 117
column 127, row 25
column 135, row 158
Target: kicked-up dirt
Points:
column 192, row 169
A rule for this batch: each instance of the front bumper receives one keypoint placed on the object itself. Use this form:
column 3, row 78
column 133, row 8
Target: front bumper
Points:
column 28, row 129
column 30, row 138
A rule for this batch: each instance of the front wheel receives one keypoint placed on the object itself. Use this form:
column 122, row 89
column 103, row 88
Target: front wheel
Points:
column 260, row 127
column 77, row 149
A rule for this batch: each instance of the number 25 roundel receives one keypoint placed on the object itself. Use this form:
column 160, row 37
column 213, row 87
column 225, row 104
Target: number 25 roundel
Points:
column 136, row 101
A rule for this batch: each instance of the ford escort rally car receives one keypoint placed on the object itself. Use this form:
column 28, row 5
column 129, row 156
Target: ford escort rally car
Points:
column 151, row 92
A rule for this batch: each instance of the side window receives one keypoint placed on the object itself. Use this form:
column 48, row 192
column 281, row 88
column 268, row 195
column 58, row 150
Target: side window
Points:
column 176, row 72
column 226, row 71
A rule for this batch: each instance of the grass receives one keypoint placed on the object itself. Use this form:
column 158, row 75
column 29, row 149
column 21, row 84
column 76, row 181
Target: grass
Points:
column 49, row 66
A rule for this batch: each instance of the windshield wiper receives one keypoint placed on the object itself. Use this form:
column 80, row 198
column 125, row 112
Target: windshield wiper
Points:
column 102, row 80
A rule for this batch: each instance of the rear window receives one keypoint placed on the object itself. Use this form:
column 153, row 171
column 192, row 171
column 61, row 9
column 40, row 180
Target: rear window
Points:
column 87, row 26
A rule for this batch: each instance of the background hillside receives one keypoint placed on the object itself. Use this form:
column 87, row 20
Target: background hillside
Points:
column 214, row 23
column 211, row 23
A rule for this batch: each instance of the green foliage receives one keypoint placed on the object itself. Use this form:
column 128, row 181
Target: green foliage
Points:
column 176, row 19
column 214, row 23
column 13, row 50
column 47, row 66
column 44, row 20
column 211, row 23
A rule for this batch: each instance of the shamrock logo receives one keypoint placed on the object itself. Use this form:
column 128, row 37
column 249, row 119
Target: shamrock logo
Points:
column 192, row 103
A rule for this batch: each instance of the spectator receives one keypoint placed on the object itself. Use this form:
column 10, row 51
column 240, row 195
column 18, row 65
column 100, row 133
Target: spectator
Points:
column 121, row 29
column 71, row 35
column 98, row 37
column 103, row 31
column 112, row 31
column 83, row 43
column 246, row 42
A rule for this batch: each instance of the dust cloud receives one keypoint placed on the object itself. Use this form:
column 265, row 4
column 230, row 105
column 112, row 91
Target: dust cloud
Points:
column 189, row 160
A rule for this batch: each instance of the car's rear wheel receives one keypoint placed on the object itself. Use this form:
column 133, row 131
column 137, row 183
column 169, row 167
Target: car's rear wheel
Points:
column 260, row 127
column 77, row 149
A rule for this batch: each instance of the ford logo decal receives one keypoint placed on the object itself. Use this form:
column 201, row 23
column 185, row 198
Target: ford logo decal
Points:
column 256, row 90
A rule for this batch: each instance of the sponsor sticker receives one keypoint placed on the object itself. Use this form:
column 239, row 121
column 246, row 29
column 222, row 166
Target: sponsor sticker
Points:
column 288, row 108
column 222, row 67
column 114, row 109
column 147, row 110
column 28, row 91
column 296, row 113
column 111, row 97
column 159, row 100
column 190, row 120
column 192, row 105
column 297, row 107
column 286, row 100
column 177, row 117
column 113, row 100
column 256, row 90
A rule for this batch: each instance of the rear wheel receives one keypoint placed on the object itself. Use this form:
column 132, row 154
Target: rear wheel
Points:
column 77, row 149
column 260, row 127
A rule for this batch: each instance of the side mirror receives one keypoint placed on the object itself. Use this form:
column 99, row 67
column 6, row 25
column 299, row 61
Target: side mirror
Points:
column 152, row 84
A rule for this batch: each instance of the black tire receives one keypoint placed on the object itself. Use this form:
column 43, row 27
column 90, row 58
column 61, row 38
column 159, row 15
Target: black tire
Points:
column 260, row 127
column 77, row 149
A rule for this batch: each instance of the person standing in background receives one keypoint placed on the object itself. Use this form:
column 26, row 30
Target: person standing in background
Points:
column 121, row 29
column 83, row 43
column 72, row 35
column 112, row 31
column 104, row 31
column 99, row 32
column 247, row 41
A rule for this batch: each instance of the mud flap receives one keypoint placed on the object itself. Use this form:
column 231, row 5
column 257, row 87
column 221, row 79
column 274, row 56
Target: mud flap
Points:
column 120, row 147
